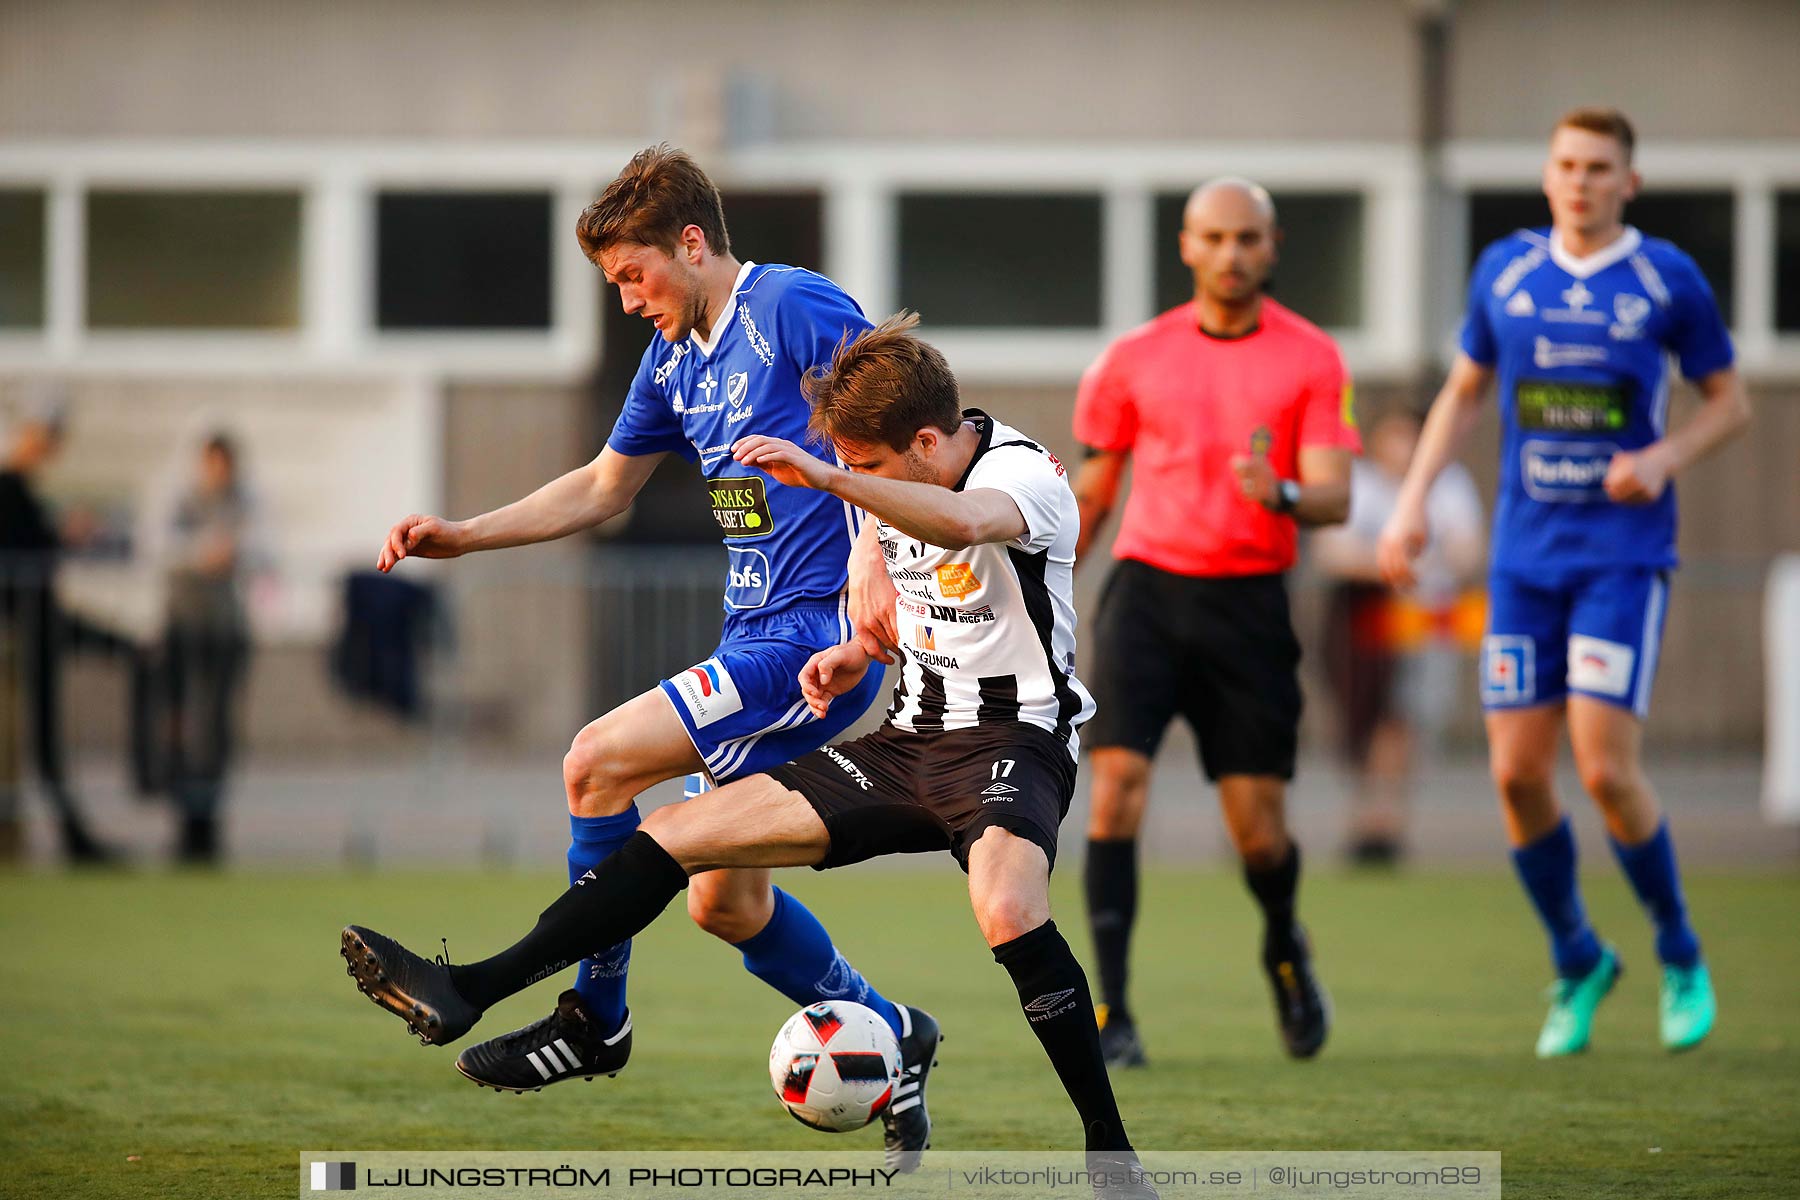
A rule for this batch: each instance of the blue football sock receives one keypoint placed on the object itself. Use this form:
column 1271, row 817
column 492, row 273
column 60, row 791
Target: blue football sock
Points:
column 1650, row 865
column 1547, row 869
column 793, row 954
column 600, row 980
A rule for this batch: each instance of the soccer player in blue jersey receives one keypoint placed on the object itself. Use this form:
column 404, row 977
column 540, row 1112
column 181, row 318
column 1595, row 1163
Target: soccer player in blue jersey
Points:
column 1578, row 323
column 737, row 338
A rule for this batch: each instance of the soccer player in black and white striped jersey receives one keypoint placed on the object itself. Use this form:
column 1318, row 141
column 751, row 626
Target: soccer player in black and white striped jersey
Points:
column 977, row 527
column 986, row 632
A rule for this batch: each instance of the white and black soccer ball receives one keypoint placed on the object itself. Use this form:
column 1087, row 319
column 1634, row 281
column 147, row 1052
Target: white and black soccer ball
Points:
column 835, row 1065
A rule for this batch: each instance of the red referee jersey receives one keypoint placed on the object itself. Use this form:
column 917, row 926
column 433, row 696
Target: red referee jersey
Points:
column 1183, row 403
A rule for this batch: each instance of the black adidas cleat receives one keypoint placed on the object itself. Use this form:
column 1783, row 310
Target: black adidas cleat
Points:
column 564, row 1045
column 414, row 989
column 905, row 1124
column 1302, row 1008
column 1119, row 1041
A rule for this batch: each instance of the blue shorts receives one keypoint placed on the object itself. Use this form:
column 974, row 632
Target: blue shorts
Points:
column 742, row 707
column 1594, row 632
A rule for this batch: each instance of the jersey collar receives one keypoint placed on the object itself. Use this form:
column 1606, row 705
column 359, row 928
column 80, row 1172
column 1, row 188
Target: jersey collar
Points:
column 985, row 425
column 1262, row 307
column 706, row 346
column 1617, row 250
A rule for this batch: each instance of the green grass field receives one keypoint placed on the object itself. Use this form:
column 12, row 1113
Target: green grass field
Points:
column 205, row 1025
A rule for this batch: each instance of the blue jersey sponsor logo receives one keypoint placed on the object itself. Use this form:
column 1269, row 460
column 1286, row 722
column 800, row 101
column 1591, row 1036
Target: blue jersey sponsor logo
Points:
column 1561, row 472
column 748, row 578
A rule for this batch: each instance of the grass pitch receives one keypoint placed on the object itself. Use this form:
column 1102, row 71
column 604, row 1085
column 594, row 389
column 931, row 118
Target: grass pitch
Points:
column 180, row 1035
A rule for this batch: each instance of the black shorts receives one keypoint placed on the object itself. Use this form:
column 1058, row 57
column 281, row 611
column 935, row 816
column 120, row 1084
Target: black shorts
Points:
column 1219, row 651
column 896, row 792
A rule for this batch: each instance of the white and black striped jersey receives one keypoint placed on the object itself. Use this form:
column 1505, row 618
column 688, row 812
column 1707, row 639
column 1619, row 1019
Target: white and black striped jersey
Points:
column 987, row 633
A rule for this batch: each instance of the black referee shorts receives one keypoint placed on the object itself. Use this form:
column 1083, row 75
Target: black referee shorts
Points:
column 897, row 792
column 1219, row 651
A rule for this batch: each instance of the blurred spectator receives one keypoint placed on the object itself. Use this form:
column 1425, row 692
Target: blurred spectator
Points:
column 206, row 644
column 1392, row 660
column 33, row 636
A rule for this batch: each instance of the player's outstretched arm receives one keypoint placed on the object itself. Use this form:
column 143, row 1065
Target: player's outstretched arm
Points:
column 1639, row 477
column 872, row 597
column 581, row 499
column 1453, row 416
column 933, row 514
column 830, row 673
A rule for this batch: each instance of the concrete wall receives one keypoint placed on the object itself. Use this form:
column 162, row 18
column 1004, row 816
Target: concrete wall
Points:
column 1334, row 69
column 937, row 69
column 1718, row 69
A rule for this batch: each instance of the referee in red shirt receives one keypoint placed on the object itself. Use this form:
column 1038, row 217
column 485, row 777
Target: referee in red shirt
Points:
column 1237, row 412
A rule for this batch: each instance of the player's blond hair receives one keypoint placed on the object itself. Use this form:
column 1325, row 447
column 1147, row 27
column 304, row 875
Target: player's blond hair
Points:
column 883, row 387
column 1608, row 122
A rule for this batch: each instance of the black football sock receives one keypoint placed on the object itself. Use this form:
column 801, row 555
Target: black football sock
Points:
column 616, row 899
column 1274, row 888
column 1111, row 878
column 1054, row 993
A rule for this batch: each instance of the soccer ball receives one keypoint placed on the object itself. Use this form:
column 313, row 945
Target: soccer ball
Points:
column 834, row 1066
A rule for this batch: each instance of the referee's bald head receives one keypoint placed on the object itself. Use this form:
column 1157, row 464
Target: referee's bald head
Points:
column 1228, row 240
column 1230, row 190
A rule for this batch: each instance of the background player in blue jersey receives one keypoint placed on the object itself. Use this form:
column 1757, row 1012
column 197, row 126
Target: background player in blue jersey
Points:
column 1579, row 322
column 736, row 340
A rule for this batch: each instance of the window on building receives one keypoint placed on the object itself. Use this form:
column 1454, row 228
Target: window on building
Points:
column 1320, row 270
column 1787, row 261
column 21, row 259
column 777, row 227
column 193, row 259
column 1700, row 222
column 1001, row 260
column 463, row 260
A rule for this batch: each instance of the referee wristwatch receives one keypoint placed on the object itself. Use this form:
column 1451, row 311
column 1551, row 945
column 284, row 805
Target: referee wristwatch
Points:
column 1287, row 497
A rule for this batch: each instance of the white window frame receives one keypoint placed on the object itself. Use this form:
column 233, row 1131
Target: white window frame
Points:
column 859, row 184
column 338, row 183
column 104, row 344
column 865, row 181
